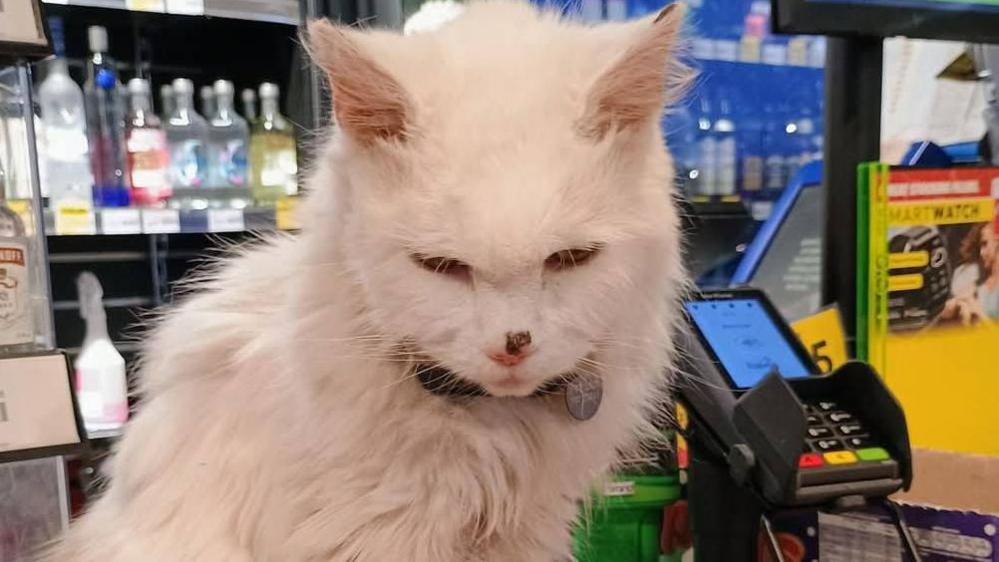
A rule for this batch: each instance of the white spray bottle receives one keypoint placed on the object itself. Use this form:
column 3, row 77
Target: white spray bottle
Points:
column 101, row 386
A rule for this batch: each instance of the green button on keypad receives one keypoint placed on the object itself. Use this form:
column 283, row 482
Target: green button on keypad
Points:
column 872, row 454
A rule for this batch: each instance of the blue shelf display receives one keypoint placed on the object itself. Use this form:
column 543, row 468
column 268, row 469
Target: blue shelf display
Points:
column 754, row 114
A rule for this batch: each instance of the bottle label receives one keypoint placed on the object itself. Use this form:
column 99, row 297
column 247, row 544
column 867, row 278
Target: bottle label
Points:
column 232, row 163
column 15, row 310
column 187, row 164
column 279, row 170
column 66, row 145
column 147, row 153
column 102, row 393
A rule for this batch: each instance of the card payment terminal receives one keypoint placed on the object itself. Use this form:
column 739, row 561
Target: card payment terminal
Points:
column 746, row 339
column 768, row 432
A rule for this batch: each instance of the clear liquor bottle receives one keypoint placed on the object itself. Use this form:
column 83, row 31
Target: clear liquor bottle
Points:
column 187, row 137
column 228, row 141
column 249, row 98
column 105, row 124
column 148, row 156
column 66, row 157
column 273, row 154
column 16, row 309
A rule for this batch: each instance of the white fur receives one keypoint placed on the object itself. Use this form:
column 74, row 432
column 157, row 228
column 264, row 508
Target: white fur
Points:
column 278, row 424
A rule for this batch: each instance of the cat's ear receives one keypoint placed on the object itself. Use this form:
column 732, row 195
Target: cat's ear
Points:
column 368, row 103
column 633, row 89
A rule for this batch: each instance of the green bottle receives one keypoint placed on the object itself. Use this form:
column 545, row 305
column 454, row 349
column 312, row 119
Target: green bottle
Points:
column 273, row 155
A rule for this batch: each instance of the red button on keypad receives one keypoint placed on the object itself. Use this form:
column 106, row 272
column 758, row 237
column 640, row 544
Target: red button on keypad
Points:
column 810, row 460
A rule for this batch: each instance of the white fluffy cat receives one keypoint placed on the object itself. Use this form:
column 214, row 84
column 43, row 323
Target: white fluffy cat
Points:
column 497, row 201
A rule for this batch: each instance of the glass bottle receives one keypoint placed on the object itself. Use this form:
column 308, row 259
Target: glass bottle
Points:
column 273, row 156
column 186, row 133
column 707, row 150
column 167, row 104
column 148, row 156
column 207, row 95
column 66, row 157
column 228, row 140
column 16, row 314
column 105, row 124
column 726, row 157
column 249, row 98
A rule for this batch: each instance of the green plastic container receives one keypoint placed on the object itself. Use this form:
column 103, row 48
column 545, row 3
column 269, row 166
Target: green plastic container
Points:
column 625, row 522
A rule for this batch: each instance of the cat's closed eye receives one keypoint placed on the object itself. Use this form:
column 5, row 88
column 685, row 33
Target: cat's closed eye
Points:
column 443, row 266
column 573, row 257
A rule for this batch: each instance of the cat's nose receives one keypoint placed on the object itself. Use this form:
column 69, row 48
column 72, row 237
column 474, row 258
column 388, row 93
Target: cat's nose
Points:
column 518, row 347
column 516, row 342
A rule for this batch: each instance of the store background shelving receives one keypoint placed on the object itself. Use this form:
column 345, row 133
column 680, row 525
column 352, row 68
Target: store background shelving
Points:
column 139, row 255
column 276, row 11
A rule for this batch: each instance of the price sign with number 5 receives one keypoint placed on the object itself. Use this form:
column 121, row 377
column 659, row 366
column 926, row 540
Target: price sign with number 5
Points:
column 823, row 336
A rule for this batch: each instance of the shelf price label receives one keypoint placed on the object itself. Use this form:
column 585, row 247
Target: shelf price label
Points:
column 287, row 213
column 186, row 7
column 75, row 219
column 726, row 50
column 160, row 221
column 121, row 221
column 146, row 5
column 226, row 220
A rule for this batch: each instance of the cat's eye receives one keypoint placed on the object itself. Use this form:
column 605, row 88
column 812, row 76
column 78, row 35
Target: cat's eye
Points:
column 443, row 266
column 573, row 257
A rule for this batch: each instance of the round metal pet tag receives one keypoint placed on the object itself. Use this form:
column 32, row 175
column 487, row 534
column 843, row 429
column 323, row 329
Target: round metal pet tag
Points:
column 583, row 395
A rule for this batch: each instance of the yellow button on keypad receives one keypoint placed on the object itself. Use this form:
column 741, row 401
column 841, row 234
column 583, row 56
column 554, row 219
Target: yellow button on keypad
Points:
column 840, row 457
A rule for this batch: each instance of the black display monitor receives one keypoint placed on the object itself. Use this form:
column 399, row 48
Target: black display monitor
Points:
column 975, row 21
column 785, row 257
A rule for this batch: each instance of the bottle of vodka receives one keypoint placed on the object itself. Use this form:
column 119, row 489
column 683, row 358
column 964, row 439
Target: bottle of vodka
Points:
column 148, row 156
column 228, row 141
column 187, row 134
column 167, row 104
column 249, row 98
column 207, row 95
column 16, row 310
column 105, row 124
column 66, row 158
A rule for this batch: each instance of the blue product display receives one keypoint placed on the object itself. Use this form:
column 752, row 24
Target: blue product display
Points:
column 756, row 95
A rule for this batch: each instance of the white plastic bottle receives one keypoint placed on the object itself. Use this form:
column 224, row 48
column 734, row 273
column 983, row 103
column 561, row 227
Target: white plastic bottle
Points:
column 101, row 386
column 67, row 158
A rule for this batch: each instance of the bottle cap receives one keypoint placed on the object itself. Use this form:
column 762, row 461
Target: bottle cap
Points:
column 269, row 90
column 224, row 88
column 138, row 86
column 248, row 95
column 206, row 93
column 183, row 86
column 97, row 39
